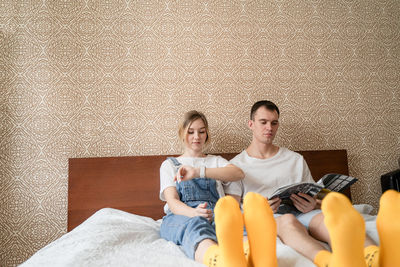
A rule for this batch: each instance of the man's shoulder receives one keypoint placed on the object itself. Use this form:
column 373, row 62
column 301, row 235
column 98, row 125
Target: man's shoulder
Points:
column 289, row 153
column 283, row 153
column 239, row 157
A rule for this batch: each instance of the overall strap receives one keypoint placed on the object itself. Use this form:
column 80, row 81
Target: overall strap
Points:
column 175, row 162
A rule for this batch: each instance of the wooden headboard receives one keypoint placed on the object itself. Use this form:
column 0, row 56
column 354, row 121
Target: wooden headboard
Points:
column 132, row 183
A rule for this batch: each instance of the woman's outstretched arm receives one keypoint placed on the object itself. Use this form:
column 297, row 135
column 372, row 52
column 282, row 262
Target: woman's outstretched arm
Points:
column 229, row 173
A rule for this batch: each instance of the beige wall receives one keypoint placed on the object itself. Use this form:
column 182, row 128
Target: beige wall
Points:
column 90, row 78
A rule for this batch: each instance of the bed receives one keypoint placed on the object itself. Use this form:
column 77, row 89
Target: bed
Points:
column 114, row 214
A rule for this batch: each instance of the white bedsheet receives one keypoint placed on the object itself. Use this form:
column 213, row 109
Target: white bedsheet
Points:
column 112, row 237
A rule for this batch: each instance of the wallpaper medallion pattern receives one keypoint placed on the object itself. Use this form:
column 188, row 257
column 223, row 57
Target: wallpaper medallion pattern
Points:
column 107, row 78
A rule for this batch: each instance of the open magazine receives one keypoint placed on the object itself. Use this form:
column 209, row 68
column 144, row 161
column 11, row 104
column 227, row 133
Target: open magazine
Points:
column 329, row 182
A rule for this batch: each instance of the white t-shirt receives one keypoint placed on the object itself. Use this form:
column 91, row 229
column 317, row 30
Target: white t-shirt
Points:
column 168, row 171
column 264, row 176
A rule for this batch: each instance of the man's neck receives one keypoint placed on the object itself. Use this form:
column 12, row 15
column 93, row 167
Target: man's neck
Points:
column 262, row 151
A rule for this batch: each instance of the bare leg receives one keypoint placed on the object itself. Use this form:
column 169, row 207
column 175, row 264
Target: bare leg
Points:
column 318, row 230
column 295, row 235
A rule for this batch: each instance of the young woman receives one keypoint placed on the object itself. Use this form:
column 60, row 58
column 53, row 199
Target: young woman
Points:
column 191, row 184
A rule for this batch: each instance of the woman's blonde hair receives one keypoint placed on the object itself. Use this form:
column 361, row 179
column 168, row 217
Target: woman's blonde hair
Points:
column 188, row 119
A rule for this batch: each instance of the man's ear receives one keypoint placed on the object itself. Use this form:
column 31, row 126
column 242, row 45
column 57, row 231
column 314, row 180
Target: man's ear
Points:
column 250, row 124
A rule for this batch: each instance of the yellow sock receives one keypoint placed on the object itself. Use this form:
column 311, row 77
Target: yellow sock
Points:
column 323, row 258
column 261, row 230
column 347, row 233
column 246, row 249
column 388, row 226
column 229, row 228
column 371, row 254
column 211, row 256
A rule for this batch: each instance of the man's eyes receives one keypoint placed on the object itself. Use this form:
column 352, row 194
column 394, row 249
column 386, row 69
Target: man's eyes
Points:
column 272, row 123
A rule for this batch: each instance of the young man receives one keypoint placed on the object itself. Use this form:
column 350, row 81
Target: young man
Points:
column 268, row 167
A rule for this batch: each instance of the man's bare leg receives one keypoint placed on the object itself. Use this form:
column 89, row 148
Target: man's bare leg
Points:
column 318, row 230
column 295, row 235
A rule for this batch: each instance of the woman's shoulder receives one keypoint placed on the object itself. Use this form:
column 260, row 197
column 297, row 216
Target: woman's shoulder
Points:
column 217, row 159
column 168, row 162
column 211, row 156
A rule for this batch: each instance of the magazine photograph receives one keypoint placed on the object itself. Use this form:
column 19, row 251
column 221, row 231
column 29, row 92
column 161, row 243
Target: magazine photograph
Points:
column 328, row 183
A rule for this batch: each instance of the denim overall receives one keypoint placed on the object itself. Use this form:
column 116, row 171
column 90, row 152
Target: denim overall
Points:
column 188, row 232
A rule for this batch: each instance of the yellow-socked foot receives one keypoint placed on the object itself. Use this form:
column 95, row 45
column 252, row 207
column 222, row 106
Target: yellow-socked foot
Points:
column 388, row 226
column 261, row 230
column 229, row 229
column 371, row 254
column 347, row 233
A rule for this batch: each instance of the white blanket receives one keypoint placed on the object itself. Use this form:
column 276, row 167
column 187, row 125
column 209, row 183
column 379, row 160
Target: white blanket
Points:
column 112, row 237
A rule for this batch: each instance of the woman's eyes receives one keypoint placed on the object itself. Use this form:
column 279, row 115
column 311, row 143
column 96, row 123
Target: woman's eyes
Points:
column 201, row 132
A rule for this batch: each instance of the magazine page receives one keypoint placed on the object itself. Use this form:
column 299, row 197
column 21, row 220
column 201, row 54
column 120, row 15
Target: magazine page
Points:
column 337, row 182
column 329, row 182
column 307, row 188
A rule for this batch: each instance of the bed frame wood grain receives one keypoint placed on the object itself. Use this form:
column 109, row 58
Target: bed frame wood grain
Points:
column 132, row 183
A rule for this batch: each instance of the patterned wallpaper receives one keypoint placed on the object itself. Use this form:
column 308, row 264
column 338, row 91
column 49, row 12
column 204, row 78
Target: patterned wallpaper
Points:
column 108, row 78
